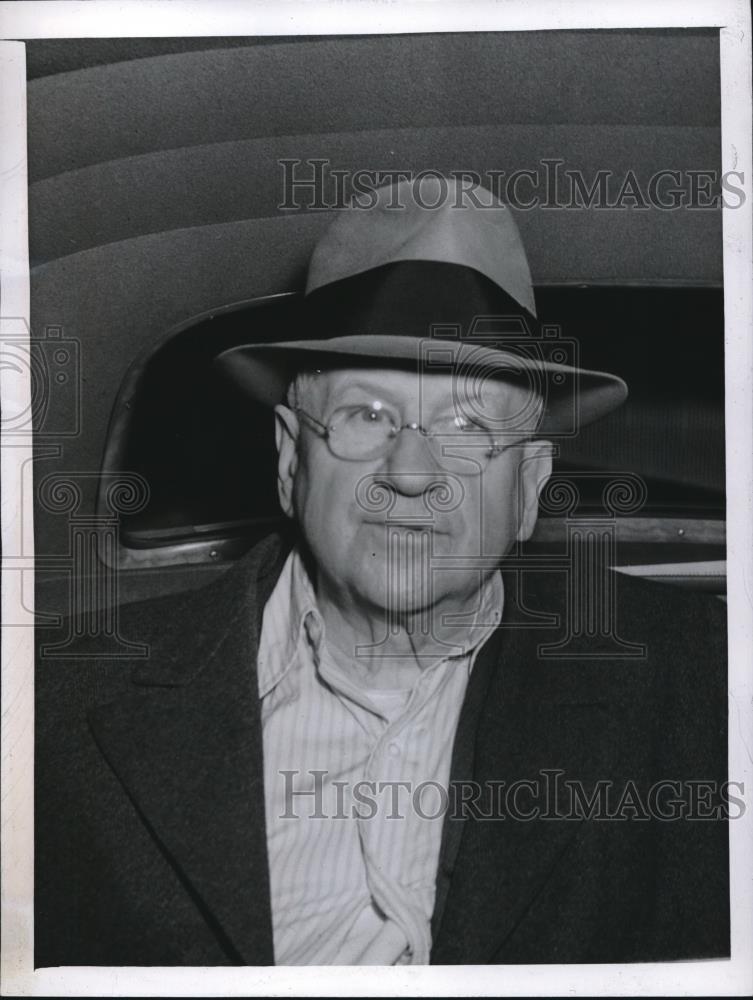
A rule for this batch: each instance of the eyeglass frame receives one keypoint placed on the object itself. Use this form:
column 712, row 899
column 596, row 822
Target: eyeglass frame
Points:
column 325, row 431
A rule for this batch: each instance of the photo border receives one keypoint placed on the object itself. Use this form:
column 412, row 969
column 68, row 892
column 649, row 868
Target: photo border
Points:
column 137, row 18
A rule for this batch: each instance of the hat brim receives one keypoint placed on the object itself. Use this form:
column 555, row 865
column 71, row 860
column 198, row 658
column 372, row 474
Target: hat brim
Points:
column 573, row 396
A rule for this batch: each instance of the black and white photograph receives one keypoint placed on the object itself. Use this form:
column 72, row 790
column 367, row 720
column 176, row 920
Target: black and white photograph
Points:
column 377, row 472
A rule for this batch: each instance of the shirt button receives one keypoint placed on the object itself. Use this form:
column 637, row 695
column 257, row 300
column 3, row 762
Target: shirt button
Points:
column 394, row 750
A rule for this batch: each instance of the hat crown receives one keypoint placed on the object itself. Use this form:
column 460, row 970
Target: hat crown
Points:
column 431, row 218
column 375, row 295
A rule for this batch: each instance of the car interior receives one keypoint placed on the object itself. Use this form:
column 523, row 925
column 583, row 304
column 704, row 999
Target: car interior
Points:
column 158, row 240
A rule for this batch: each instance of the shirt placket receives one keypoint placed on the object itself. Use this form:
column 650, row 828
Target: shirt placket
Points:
column 387, row 761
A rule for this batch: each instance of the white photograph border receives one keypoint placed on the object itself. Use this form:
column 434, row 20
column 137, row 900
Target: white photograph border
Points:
column 99, row 18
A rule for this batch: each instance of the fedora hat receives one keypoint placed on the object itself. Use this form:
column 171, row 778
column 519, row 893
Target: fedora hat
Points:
column 427, row 275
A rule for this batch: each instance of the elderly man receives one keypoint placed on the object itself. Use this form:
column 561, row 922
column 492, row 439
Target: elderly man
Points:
column 351, row 749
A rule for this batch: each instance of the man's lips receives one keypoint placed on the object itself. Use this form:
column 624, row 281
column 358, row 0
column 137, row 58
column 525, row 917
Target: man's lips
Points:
column 405, row 523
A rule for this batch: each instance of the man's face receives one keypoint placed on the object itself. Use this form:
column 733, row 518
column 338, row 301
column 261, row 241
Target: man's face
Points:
column 402, row 531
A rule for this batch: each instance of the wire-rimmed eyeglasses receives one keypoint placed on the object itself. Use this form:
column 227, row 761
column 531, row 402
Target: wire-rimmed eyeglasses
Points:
column 362, row 432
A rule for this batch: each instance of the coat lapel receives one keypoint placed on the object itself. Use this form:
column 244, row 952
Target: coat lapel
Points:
column 530, row 717
column 187, row 746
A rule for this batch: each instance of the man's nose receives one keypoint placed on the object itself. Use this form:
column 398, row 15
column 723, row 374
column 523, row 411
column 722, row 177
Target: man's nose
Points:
column 410, row 466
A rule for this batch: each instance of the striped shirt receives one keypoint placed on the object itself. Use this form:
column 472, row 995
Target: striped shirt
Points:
column 355, row 786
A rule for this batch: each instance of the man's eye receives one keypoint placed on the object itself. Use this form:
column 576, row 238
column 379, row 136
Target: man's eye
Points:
column 372, row 414
column 454, row 425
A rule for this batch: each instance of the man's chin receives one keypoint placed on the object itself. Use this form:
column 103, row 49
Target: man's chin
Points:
column 400, row 602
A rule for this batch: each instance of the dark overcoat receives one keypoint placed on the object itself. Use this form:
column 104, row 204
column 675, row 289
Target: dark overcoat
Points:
column 150, row 831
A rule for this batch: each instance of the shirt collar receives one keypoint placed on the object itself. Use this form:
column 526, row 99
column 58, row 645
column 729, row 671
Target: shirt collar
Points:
column 291, row 616
column 474, row 628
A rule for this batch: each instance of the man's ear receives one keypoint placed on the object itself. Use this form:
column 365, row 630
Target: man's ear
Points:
column 286, row 438
column 534, row 470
